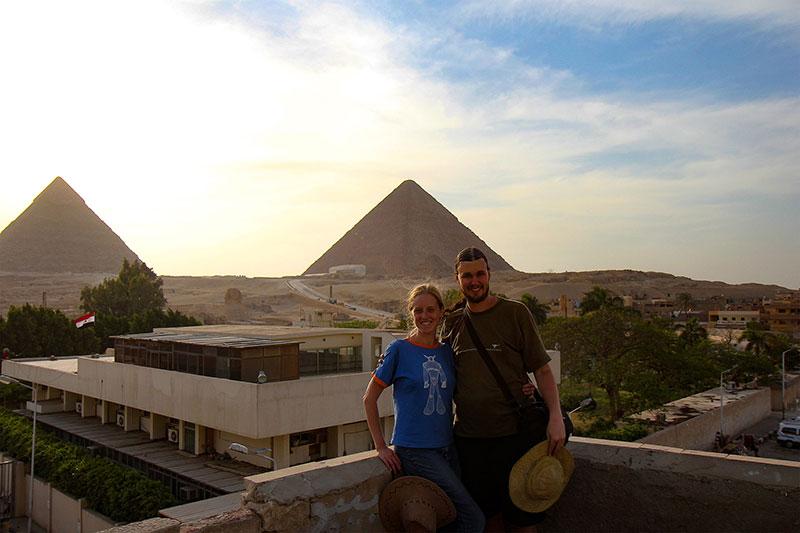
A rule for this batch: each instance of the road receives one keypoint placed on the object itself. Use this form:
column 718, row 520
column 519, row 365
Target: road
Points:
column 770, row 447
column 298, row 286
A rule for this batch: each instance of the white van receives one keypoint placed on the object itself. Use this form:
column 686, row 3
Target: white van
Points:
column 789, row 432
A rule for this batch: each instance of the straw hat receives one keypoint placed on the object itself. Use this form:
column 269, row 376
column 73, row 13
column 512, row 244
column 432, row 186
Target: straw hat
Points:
column 537, row 479
column 412, row 503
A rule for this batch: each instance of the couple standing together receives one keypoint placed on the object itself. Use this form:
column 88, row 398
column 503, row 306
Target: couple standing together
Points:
column 472, row 459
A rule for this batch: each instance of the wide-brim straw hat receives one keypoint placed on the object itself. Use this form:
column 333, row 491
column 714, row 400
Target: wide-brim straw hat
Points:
column 412, row 503
column 537, row 479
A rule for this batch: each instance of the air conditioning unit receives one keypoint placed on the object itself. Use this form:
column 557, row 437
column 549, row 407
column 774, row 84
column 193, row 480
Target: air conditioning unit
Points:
column 188, row 493
column 121, row 419
column 93, row 450
column 79, row 407
column 172, row 435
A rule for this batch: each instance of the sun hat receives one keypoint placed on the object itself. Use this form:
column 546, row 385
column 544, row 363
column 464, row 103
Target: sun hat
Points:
column 412, row 503
column 537, row 479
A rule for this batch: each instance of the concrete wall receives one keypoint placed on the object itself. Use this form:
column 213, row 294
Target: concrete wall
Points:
column 638, row 487
column 698, row 433
column 792, row 393
column 616, row 487
column 65, row 513
column 53, row 510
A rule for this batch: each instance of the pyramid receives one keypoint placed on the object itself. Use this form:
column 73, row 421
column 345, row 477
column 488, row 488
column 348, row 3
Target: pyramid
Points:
column 59, row 233
column 408, row 234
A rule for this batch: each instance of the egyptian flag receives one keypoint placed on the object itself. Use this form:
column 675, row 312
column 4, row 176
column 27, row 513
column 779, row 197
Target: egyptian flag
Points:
column 85, row 319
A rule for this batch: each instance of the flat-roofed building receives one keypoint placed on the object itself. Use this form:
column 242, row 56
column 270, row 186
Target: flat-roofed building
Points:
column 198, row 389
column 732, row 319
column 782, row 313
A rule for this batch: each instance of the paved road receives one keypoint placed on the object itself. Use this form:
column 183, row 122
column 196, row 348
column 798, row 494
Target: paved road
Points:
column 770, row 448
column 298, row 286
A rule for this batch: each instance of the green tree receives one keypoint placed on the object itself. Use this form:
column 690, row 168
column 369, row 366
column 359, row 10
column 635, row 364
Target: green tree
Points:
column 451, row 296
column 684, row 301
column 538, row 309
column 691, row 332
column 30, row 331
column 757, row 338
column 599, row 298
column 132, row 302
column 137, row 288
column 638, row 363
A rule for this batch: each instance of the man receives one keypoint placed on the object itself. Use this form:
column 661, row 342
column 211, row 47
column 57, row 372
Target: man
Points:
column 486, row 423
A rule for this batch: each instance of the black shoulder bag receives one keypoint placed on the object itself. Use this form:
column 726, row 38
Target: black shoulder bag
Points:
column 532, row 416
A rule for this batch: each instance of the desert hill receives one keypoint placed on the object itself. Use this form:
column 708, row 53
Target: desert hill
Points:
column 58, row 232
column 408, row 234
column 270, row 301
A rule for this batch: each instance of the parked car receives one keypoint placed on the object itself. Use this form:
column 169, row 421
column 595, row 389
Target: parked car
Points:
column 789, row 432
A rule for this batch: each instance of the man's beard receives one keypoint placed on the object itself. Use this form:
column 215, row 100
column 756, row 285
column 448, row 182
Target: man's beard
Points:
column 478, row 299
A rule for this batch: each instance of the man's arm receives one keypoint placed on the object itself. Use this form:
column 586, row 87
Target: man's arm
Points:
column 556, row 432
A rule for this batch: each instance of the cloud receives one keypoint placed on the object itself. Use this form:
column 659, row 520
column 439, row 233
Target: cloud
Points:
column 247, row 138
column 593, row 13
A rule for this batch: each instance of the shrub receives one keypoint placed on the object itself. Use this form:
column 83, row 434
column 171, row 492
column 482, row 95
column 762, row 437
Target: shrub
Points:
column 119, row 493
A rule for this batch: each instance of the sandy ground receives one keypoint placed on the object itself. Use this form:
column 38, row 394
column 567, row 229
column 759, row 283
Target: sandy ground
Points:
column 270, row 301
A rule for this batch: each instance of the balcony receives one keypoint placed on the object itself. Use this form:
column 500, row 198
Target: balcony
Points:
column 616, row 487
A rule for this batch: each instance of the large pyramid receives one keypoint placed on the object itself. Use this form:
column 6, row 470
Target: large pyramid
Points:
column 59, row 233
column 408, row 233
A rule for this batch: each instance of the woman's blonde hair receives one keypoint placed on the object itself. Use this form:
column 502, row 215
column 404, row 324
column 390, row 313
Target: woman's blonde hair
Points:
column 425, row 288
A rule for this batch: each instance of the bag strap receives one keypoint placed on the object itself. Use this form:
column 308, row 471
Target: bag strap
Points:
column 498, row 377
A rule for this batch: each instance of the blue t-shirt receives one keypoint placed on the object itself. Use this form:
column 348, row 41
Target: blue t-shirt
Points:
column 424, row 381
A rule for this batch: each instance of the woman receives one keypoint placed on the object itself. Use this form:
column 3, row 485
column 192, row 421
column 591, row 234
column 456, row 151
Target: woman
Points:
column 422, row 371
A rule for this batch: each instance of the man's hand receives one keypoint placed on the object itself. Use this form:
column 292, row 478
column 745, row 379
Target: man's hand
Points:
column 556, row 434
column 391, row 460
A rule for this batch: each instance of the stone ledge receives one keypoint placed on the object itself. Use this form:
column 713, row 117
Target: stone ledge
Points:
column 768, row 472
column 153, row 525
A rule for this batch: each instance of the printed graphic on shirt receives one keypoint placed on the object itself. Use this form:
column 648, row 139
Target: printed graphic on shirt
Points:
column 434, row 377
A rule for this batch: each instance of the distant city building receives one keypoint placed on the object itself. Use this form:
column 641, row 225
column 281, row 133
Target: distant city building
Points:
column 732, row 319
column 782, row 313
column 353, row 270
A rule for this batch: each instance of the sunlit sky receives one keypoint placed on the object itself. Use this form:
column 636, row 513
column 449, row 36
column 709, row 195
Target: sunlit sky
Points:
column 247, row 137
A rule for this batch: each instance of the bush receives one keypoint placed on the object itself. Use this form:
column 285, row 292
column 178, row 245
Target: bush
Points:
column 119, row 493
column 361, row 324
column 605, row 429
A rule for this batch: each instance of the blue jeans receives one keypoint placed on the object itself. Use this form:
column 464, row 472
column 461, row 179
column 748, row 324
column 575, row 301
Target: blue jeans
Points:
column 441, row 466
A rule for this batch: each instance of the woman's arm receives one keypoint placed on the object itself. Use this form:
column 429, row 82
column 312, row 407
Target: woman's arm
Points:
column 386, row 454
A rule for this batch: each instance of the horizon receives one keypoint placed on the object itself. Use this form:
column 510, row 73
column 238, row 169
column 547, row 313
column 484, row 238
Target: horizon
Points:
column 248, row 137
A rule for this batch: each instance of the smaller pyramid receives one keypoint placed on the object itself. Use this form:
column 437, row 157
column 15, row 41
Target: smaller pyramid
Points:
column 58, row 232
column 408, row 233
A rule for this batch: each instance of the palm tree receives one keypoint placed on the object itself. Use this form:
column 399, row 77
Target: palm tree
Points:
column 691, row 332
column 537, row 308
column 599, row 298
column 757, row 339
column 684, row 301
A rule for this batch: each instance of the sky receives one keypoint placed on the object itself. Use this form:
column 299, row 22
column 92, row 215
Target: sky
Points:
column 246, row 137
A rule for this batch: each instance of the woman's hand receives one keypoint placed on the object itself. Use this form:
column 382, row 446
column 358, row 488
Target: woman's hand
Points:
column 391, row 460
column 528, row 389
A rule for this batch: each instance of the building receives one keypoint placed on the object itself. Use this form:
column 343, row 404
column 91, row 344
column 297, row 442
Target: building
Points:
column 352, row 270
column 291, row 394
column 782, row 313
column 732, row 319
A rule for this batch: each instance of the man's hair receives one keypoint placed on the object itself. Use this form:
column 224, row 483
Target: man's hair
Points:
column 470, row 254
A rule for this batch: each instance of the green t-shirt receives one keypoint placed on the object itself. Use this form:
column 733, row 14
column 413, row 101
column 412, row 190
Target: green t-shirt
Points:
column 509, row 334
